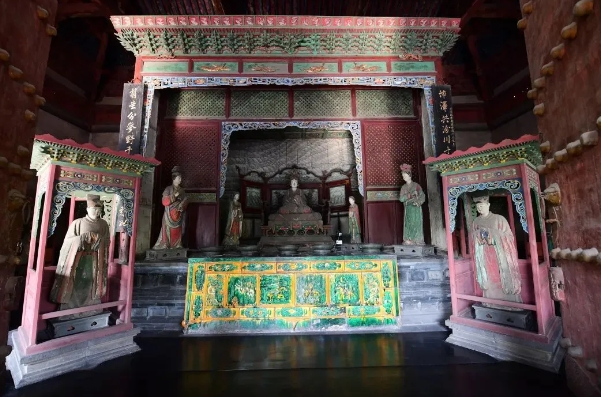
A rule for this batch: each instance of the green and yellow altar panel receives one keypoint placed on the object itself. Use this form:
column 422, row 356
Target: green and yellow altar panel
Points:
column 337, row 293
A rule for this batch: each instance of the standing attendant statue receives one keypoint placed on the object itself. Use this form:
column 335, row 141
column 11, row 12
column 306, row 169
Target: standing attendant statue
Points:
column 81, row 273
column 174, row 219
column 413, row 197
column 354, row 223
column 495, row 254
column 233, row 230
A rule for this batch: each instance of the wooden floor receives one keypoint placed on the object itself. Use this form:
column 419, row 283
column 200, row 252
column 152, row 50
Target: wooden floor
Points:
column 408, row 365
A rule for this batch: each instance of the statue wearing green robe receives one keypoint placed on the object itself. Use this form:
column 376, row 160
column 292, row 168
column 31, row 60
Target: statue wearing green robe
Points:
column 413, row 197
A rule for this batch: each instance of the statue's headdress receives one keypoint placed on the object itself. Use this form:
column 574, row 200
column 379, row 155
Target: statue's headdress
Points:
column 93, row 200
column 294, row 174
column 406, row 168
column 481, row 199
column 176, row 171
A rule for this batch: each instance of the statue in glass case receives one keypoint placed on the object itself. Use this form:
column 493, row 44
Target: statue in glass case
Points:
column 495, row 255
column 81, row 273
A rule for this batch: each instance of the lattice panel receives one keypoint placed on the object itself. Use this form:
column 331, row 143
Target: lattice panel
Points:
column 385, row 103
column 328, row 103
column 195, row 149
column 197, row 103
column 259, row 104
column 387, row 146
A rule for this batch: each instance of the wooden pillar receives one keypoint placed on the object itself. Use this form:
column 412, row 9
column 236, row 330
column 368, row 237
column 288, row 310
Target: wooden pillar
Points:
column 437, row 228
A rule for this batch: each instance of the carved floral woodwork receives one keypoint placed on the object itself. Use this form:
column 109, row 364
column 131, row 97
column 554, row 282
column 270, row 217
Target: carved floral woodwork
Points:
column 557, row 284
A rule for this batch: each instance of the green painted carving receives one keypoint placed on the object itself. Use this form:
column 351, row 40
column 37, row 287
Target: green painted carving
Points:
column 257, row 267
column 265, row 67
column 364, row 67
column 196, row 103
column 327, row 266
column 181, row 41
column 221, row 312
column 386, row 274
column 291, row 312
column 518, row 152
column 199, row 277
column 371, row 289
column 255, row 104
column 311, row 289
column 197, row 307
column 388, row 302
column 215, row 290
column 293, row 267
column 215, row 67
column 314, row 68
column 222, row 267
column 413, row 67
column 256, row 312
column 385, row 103
column 344, row 289
column 328, row 311
column 368, row 265
column 165, row 67
column 275, row 289
column 366, row 322
column 361, row 311
column 242, row 291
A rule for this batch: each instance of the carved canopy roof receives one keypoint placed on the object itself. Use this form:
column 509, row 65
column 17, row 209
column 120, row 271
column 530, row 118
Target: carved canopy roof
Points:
column 47, row 148
column 281, row 35
column 526, row 148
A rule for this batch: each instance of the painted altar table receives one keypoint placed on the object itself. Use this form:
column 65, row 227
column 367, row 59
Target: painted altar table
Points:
column 297, row 294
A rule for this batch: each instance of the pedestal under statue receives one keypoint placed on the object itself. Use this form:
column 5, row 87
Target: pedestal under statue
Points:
column 495, row 256
column 81, row 273
column 295, row 222
column 169, row 245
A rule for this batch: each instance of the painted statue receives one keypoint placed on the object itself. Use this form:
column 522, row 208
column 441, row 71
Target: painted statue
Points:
column 495, row 254
column 413, row 197
column 354, row 223
column 295, row 205
column 233, row 230
column 81, row 273
column 174, row 219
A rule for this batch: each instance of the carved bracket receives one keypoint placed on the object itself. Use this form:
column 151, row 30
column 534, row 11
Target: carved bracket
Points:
column 557, row 283
column 63, row 189
column 513, row 186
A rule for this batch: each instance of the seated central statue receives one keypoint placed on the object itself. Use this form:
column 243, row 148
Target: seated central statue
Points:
column 295, row 206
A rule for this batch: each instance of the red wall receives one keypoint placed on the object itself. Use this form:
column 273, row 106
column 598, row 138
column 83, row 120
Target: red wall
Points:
column 572, row 101
column 387, row 145
column 195, row 146
column 24, row 36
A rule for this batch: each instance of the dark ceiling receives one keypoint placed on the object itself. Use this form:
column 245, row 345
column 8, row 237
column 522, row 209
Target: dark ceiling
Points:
column 383, row 8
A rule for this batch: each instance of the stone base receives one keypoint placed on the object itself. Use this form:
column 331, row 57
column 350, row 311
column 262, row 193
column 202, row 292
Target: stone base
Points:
column 28, row 369
column 523, row 319
column 285, row 240
column 60, row 328
column 546, row 356
column 166, row 255
column 414, row 250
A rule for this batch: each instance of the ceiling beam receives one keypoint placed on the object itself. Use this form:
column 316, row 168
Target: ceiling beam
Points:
column 217, row 7
column 481, row 10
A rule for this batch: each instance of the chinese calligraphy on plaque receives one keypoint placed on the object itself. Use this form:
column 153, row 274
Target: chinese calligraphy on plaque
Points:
column 444, row 133
column 131, row 118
